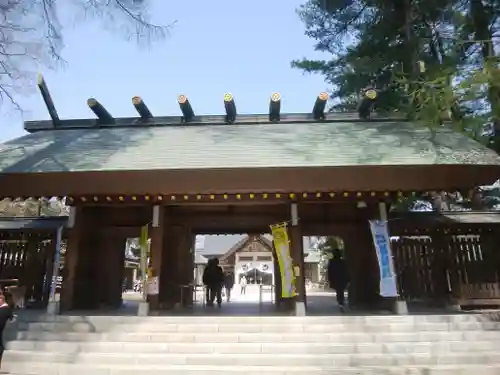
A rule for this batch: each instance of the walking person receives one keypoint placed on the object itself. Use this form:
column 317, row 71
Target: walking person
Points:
column 338, row 276
column 228, row 285
column 5, row 316
column 213, row 278
column 243, row 284
column 124, row 285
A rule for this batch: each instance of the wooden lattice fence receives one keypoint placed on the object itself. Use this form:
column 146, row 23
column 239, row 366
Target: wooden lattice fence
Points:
column 27, row 264
column 464, row 268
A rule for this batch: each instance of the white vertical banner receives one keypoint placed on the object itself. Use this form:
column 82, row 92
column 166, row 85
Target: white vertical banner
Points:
column 380, row 234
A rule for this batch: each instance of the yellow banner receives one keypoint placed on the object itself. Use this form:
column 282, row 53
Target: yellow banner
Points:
column 143, row 243
column 282, row 246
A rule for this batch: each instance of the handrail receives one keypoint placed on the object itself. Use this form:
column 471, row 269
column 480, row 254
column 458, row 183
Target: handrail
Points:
column 261, row 290
column 196, row 289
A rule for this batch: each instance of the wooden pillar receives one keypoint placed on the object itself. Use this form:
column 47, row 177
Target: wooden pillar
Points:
column 82, row 262
column 50, row 252
column 157, row 235
column 168, row 292
column 178, row 264
column 167, row 270
column 29, row 277
column 185, row 267
column 363, row 267
column 110, row 262
column 87, row 280
column 297, row 253
column 73, row 248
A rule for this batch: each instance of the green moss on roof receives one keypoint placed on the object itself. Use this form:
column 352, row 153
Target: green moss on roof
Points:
column 230, row 146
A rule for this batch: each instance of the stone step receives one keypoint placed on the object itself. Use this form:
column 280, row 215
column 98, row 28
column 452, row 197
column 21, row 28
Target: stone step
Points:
column 262, row 337
column 433, row 348
column 27, row 316
column 251, row 327
column 279, row 360
column 34, row 368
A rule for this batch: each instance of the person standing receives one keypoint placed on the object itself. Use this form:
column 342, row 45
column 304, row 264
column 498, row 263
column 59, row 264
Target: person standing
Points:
column 5, row 316
column 228, row 285
column 338, row 276
column 213, row 278
column 243, row 284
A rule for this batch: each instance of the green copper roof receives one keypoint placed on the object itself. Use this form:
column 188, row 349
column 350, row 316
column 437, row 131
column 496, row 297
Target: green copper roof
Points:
column 239, row 145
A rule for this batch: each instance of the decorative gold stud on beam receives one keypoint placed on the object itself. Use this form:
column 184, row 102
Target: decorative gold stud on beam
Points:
column 141, row 108
column 186, row 109
column 226, row 197
column 319, row 106
column 102, row 114
column 230, row 107
column 274, row 107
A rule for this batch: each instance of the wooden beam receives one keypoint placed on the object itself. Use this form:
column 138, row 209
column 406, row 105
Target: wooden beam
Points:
column 142, row 108
column 211, row 119
column 186, row 108
column 47, row 98
column 251, row 180
column 230, row 107
column 320, row 106
column 102, row 113
column 228, row 226
column 274, row 107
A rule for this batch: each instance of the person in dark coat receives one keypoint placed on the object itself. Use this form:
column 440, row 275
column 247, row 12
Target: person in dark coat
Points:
column 213, row 278
column 6, row 314
column 228, row 285
column 338, row 276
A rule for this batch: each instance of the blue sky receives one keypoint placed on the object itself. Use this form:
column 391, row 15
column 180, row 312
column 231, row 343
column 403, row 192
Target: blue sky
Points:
column 242, row 47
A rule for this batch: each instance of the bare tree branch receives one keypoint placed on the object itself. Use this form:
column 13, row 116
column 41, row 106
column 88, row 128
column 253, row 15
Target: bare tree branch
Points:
column 31, row 36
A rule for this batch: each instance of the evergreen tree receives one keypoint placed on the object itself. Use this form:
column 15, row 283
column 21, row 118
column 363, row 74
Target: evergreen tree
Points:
column 432, row 60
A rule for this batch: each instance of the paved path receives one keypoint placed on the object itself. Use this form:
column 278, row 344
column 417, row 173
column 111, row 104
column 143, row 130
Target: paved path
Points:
column 249, row 304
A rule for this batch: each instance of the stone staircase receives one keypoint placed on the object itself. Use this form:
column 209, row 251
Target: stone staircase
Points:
column 375, row 345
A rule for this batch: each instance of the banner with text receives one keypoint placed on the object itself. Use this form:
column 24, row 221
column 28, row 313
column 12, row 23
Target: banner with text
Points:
column 143, row 243
column 380, row 234
column 282, row 246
